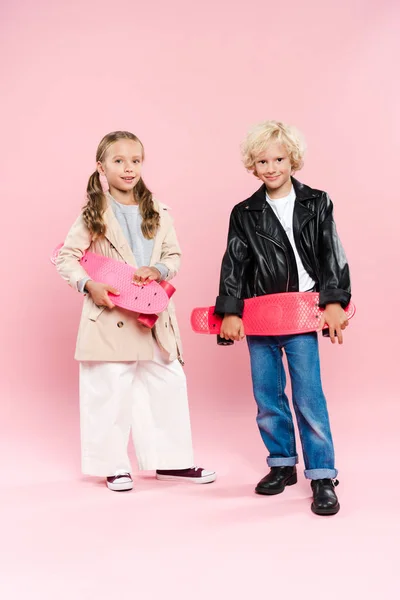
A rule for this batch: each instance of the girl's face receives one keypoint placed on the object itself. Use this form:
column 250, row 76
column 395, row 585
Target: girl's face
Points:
column 273, row 167
column 122, row 165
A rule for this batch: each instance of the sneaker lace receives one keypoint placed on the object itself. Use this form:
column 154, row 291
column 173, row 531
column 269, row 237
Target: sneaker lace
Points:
column 121, row 473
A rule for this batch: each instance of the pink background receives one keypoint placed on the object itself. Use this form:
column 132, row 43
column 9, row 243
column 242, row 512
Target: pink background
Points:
column 189, row 79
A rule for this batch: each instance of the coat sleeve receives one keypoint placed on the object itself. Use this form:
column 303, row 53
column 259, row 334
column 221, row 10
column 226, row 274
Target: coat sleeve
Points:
column 76, row 243
column 170, row 250
column 334, row 274
column 234, row 269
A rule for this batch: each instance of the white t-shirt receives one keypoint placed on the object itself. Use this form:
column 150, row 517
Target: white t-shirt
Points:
column 283, row 208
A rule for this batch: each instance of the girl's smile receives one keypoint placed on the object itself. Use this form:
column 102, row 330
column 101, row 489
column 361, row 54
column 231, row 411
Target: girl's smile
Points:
column 122, row 166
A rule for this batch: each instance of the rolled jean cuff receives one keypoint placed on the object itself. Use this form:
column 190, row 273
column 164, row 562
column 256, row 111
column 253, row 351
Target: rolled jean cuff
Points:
column 320, row 473
column 282, row 461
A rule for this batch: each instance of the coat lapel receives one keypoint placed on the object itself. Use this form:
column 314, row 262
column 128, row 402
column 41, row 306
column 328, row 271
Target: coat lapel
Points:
column 301, row 216
column 116, row 237
column 268, row 222
column 158, row 240
column 303, row 209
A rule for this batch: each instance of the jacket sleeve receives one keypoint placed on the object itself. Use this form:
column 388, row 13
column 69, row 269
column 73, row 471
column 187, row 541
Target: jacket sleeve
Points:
column 234, row 268
column 76, row 243
column 170, row 251
column 334, row 273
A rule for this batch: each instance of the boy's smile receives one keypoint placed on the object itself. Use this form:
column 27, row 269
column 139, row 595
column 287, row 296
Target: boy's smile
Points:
column 274, row 168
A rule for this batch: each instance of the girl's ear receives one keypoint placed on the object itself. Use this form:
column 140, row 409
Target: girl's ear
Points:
column 99, row 168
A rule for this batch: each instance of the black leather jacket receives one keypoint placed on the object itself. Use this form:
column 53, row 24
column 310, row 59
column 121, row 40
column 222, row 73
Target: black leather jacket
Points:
column 259, row 258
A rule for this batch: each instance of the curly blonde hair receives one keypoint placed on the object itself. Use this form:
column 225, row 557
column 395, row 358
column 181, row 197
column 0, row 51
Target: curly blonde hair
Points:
column 96, row 202
column 260, row 136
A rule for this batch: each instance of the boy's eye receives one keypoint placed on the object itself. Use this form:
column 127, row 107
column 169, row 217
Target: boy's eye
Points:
column 136, row 161
column 118, row 160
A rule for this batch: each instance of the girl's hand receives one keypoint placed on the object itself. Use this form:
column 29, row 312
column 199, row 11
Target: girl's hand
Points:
column 232, row 328
column 99, row 293
column 336, row 319
column 145, row 275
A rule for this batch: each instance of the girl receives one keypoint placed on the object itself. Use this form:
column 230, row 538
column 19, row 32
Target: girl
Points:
column 130, row 377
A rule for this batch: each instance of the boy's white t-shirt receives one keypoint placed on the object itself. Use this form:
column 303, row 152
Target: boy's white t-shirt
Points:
column 283, row 208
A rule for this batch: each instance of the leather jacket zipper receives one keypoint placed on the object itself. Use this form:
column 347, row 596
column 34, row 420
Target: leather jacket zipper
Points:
column 312, row 245
column 255, row 281
column 282, row 248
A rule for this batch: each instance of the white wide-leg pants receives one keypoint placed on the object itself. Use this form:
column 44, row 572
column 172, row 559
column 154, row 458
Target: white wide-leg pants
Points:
column 147, row 397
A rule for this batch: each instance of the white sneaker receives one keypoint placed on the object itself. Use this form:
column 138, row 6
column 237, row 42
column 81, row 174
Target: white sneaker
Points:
column 193, row 475
column 120, row 482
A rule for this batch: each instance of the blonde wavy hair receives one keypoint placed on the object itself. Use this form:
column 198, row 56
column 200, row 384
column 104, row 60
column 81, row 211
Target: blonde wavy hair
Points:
column 260, row 136
column 96, row 201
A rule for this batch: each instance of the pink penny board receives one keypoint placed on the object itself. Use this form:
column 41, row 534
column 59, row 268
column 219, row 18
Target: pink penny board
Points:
column 274, row 314
column 150, row 320
column 147, row 299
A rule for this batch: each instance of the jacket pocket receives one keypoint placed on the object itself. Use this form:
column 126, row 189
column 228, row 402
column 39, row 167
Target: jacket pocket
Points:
column 174, row 328
column 95, row 312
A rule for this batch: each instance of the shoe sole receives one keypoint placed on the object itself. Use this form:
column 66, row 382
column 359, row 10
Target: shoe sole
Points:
column 325, row 512
column 264, row 492
column 120, row 487
column 208, row 479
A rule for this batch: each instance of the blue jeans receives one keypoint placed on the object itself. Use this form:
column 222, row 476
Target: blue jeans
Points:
column 274, row 417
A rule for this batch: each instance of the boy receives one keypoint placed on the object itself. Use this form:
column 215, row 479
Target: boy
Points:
column 283, row 239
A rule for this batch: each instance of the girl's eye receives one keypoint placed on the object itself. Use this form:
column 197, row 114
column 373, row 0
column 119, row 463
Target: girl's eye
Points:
column 279, row 159
column 137, row 161
column 118, row 160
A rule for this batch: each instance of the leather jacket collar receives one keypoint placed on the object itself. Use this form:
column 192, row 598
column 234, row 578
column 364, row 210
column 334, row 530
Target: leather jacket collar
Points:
column 303, row 192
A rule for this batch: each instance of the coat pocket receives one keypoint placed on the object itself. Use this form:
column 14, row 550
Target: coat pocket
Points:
column 95, row 312
column 174, row 328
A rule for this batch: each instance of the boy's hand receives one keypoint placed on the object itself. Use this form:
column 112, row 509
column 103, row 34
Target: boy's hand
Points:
column 232, row 328
column 99, row 293
column 145, row 275
column 336, row 319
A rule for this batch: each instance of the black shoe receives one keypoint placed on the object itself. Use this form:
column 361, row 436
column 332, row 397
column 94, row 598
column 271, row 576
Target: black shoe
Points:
column 276, row 480
column 325, row 501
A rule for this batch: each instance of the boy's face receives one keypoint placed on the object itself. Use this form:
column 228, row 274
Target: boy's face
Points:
column 273, row 167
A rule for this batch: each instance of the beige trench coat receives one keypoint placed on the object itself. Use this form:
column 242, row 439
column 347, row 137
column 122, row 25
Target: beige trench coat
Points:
column 115, row 335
